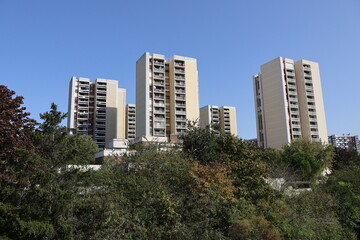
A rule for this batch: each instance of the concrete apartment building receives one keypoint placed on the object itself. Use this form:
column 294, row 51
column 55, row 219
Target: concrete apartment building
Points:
column 346, row 141
column 224, row 116
column 289, row 103
column 97, row 109
column 130, row 121
column 166, row 95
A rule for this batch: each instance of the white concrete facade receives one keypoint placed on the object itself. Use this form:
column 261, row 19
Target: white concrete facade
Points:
column 288, row 103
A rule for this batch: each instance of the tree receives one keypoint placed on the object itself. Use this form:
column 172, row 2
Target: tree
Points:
column 15, row 126
column 246, row 168
column 200, row 143
column 308, row 159
column 344, row 184
column 36, row 199
column 57, row 146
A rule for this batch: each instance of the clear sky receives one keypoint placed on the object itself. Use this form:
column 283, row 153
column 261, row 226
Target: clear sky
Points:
column 44, row 43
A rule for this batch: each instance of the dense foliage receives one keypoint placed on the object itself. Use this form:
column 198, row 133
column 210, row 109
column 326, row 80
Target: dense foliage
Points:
column 217, row 187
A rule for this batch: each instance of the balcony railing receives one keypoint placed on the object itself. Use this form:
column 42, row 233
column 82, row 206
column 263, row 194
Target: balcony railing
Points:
column 160, row 69
column 178, row 64
column 161, row 76
column 180, row 97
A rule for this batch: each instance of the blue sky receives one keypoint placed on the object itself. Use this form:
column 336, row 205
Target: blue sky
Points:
column 44, row 43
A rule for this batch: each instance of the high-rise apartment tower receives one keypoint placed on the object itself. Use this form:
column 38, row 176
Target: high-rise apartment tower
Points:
column 289, row 103
column 224, row 117
column 97, row 109
column 166, row 95
column 346, row 141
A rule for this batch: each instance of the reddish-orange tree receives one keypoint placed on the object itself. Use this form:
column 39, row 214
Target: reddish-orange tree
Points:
column 15, row 125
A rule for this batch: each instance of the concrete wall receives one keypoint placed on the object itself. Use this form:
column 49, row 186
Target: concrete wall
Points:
column 275, row 104
column 205, row 116
column 142, row 96
column 121, row 122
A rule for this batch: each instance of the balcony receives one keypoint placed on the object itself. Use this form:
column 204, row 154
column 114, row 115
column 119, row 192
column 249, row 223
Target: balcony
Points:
column 180, row 118
column 183, row 126
column 83, row 123
column 159, row 83
column 309, row 93
column 290, row 73
column 83, row 100
column 159, row 111
column 180, row 112
column 291, row 84
column 159, row 104
column 311, row 106
column 159, row 132
column 98, row 137
column 179, row 70
column 296, row 133
column 81, row 94
column 82, row 129
column 310, row 100
column 292, row 105
column 159, row 62
column 100, row 104
column 291, row 80
column 159, row 124
column 100, row 130
column 159, row 118
column 179, row 64
column 159, row 76
column 157, row 89
column 83, row 105
column 179, row 84
column 179, row 77
column 158, row 69
column 85, row 116
column 84, row 89
column 159, row 96
column 179, row 90
column 308, row 86
column 179, row 97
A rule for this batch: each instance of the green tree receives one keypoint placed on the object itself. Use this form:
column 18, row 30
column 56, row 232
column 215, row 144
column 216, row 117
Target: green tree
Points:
column 308, row 159
column 344, row 185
